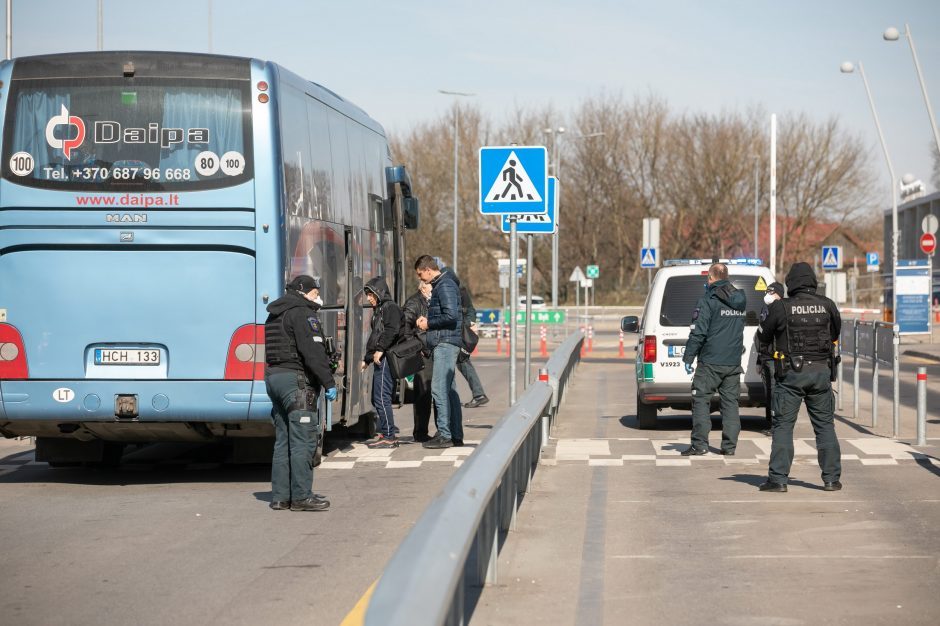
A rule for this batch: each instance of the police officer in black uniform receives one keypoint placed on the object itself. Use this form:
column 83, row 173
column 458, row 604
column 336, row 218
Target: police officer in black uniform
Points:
column 717, row 340
column 803, row 327
column 298, row 366
column 765, row 356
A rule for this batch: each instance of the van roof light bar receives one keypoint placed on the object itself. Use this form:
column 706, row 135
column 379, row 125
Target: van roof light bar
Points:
column 737, row 261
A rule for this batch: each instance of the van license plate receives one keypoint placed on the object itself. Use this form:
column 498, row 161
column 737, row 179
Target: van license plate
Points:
column 126, row 356
column 676, row 350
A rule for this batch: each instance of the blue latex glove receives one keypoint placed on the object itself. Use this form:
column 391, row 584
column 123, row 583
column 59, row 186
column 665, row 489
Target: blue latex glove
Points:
column 688, row 368
column 331, row 394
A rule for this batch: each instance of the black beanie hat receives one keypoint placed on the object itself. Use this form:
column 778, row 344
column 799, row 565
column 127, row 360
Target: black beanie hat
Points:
column 776, row 288
column 303, row 284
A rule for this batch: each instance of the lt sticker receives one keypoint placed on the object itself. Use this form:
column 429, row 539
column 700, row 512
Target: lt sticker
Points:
column 63, row 394
column 761, row 285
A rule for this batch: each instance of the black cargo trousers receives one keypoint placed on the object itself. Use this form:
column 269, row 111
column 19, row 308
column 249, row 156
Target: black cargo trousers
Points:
column 296, row 428
column 812, row 385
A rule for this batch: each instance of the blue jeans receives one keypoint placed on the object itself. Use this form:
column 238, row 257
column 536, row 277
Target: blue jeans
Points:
column 382, row 385
column 295, row 435
column 444, row 392
column 470, row 373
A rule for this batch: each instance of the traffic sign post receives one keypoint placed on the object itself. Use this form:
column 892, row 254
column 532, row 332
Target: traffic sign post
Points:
column 593, row 271
column 872, row 262
column 929, row 225
column 577, row 276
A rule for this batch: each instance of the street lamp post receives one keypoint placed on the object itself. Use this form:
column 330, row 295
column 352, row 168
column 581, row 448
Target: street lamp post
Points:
column 555, row 132
column 892, row 34
column 456, row 147
column 848, row 68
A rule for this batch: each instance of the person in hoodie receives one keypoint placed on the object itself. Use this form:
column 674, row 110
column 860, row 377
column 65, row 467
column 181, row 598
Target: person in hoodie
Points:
column 297, row 368
column 417, row 306
column 386, row 329
column 717, row 341
column 444, row 323
column 765, row 356
column 803, row 328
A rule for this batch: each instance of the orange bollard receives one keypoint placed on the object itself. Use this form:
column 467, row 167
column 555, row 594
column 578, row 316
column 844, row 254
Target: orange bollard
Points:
column 507, row 331
column 499, row 339
column 620, row 352
column 583, row 343
column 590, row 339
column 543, row 346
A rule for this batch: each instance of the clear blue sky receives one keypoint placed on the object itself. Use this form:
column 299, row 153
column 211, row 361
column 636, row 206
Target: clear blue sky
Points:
column 391, row 57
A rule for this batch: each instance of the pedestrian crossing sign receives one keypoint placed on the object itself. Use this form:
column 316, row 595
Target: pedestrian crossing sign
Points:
column 648, row 258
column 832, row 257
column 513, row 179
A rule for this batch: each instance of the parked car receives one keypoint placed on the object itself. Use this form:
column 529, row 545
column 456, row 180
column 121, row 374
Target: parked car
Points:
column 538, row 302
column 664, row 327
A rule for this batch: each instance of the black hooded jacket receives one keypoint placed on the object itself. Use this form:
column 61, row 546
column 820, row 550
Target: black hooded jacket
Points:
column 294, row 339
column 386, row 319
column 815, row 319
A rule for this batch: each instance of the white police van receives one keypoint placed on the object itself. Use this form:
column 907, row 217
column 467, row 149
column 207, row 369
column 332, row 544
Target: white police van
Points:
column 664, row 330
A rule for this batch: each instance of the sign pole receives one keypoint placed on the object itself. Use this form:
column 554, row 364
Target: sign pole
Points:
column 513, row 306
column 528, row 312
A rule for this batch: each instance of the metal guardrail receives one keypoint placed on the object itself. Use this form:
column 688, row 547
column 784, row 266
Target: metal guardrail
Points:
column 877, row 343
column 454, row 544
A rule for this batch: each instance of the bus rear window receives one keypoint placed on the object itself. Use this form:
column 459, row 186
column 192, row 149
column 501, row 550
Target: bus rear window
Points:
column 119, row 135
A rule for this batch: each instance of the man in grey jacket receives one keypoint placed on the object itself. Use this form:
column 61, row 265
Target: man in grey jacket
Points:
column 443, row 325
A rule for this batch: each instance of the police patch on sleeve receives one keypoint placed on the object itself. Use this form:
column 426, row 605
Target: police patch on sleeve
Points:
column 314, row 322
column 695, row 314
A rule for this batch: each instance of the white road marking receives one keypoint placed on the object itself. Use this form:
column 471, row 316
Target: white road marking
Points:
column 402, row 464
column 673, row 463
column 830, row 556
column 881, row 446
column 887, row 461
column 337, row 465
column 605, row 462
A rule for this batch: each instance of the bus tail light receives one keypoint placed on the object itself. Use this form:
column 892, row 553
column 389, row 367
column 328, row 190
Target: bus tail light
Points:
column 245, row 359
column 12, row 354
column 649, row 349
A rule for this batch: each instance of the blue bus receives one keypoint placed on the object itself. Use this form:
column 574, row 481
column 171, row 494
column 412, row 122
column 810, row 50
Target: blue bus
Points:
column 152, row 204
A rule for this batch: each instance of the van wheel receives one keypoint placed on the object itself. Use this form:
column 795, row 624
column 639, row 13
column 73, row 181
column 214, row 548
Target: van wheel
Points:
column 645, row 414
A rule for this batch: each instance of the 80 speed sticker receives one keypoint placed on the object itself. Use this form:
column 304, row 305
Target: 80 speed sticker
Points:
column 231, row 163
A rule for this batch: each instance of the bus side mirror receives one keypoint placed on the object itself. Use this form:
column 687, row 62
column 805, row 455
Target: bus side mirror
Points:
column 630, row 324
column 410, row 213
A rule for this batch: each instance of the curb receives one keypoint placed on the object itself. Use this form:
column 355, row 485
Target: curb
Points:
column 923, row 355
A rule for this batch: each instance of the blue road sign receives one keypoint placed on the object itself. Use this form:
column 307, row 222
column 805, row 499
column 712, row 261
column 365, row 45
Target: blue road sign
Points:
column 832, row 257
column 871, row 258
column 513, row 179
column 539, row 223
column 913, row 314
column 648, row 257
column 488, row 316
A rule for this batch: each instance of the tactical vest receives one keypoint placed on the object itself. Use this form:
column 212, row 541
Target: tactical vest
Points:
column 807, row 327
column 280, row 349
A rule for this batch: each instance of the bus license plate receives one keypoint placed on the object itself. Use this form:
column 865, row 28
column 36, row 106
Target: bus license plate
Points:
column 126, row 356
column 676, row 350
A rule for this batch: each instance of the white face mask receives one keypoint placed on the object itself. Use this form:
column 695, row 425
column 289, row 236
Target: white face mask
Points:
column 318, row 300
column 770, row 298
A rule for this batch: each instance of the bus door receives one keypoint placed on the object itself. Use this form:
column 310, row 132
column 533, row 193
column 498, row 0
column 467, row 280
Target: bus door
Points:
column 354, row 349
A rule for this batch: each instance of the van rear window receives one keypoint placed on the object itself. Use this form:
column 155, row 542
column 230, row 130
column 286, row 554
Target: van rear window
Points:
column 682, row 293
